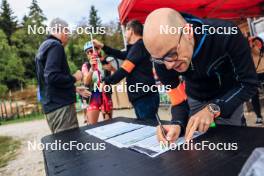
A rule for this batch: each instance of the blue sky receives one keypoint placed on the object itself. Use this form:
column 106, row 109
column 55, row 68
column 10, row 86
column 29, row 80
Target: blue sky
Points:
column 70, row 10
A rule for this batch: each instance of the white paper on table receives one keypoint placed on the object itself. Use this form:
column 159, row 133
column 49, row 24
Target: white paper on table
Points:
column 151, row 146
column 132, row 137
column 113, row 129
column 140, row 138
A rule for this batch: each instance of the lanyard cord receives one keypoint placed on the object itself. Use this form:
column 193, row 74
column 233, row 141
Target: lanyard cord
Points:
column 203, row 38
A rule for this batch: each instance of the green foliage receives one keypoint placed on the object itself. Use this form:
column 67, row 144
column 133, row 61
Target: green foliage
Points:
column 27, row 118
column 113, row 37
column 72, row 66
column 3, row 90
column 8, row 22
column 27, row 43
column 26, row 49
column 8, row 149
column 36, row 15
column 74, row 49
column 94, row 19
column 11, row 67
column 18, row 47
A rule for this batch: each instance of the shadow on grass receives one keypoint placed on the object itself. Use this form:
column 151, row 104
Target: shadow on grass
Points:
column 8, row 149
column 22, row 119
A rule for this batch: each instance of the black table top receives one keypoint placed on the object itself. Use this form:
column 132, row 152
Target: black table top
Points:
column 114, row 161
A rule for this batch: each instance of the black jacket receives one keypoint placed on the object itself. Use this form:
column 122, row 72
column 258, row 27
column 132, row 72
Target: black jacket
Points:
column 223, row 72
column 56, row 84
column 142, row 74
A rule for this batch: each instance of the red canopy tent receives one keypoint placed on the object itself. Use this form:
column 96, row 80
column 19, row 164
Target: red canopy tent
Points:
column 225, row 9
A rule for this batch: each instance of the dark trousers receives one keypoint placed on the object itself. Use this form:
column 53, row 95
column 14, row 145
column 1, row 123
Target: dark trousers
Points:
column 146, row 107
column 255, row 99
column 256, row 105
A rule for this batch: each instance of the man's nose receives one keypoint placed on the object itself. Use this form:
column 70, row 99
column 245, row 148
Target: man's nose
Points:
column 169, row 65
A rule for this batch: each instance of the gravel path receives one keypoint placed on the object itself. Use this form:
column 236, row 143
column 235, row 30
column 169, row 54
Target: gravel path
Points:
column 27, row 162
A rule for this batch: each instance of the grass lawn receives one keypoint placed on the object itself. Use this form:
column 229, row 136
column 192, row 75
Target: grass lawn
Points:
column 22, row 119
column 8, row 148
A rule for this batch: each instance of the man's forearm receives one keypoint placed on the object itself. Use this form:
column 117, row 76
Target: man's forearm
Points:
column 116, row 77
column 233, row 98
column 114, row 52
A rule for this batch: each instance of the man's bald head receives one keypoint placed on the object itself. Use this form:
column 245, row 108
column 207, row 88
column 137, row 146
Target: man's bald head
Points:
column 162, row 30
column 158, row 20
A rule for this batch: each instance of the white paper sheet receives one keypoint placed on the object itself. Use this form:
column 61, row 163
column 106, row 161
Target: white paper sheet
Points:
column 128, row 139
column 151, row 147
column 114, row 129
column 140, row 138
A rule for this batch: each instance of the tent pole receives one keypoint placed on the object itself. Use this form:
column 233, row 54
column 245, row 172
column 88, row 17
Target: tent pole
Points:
column 124, row 37
column 249, row 22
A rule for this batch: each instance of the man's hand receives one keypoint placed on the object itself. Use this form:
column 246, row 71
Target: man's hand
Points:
column 200, row 121
column 83, row 92
column 98, row 44
column 108, row 67
column 78, row 75
column 172, row 133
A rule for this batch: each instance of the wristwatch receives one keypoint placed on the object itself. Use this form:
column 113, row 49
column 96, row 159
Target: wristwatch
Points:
column 214, row 109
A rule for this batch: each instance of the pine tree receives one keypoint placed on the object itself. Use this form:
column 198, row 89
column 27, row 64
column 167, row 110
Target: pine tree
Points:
column 24, row 20
column 94, row 19
column 8, row 22
column 27, row 44
column 35, row 16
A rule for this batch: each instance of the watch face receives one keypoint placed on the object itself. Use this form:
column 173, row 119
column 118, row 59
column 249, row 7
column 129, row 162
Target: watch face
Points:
column 214, row 107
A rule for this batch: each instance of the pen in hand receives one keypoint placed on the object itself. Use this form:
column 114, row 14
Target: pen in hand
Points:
column 161, row 127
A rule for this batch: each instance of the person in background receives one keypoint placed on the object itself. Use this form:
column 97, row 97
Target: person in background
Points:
column 137, row 69
column 257, row 49
column 56, row 84
column 94, row 71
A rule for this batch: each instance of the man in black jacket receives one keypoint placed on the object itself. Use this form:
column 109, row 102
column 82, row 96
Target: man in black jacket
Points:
column 137, row 69
column 56, row 84
column 215, row 61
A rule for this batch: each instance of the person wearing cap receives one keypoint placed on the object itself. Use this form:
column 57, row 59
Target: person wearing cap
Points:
column 56, row 84
column 217, row 68
column 94, row 71
column 137, row 69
